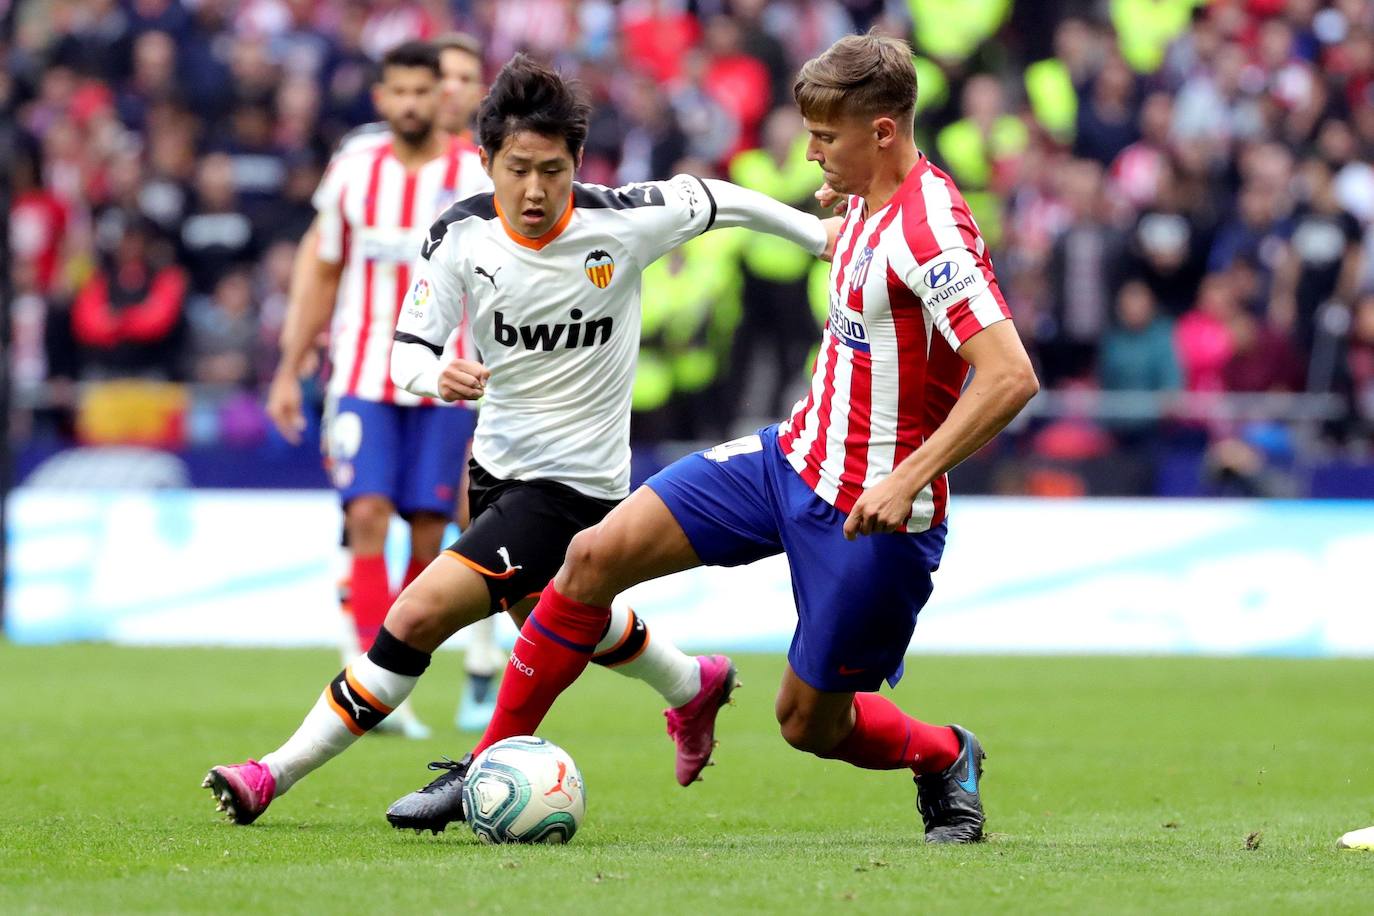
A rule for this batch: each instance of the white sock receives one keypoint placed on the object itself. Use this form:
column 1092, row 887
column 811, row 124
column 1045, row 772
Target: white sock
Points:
column 353, row 703
column 627, row 649
column 482, row 658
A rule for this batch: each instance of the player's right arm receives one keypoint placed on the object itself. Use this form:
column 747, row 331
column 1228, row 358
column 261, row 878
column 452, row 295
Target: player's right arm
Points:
column 974, row 321
column 310, row 298
column 432, row 309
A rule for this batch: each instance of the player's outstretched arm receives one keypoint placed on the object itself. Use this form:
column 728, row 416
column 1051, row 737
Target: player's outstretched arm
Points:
column 737, row 206
column 1003, row 383
column 309, row 306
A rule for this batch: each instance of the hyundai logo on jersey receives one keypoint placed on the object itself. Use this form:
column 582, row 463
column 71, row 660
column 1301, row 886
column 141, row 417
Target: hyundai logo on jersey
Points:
column 941, row 274
column 600, row 267
column 859, row 273
column 848, row 329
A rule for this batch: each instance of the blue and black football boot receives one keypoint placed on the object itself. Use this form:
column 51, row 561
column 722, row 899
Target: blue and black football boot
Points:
column 948, row 801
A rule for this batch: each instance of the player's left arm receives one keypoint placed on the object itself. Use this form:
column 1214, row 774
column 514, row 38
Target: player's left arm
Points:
column 669, row 213
column 1003, row 383
column 737, row 206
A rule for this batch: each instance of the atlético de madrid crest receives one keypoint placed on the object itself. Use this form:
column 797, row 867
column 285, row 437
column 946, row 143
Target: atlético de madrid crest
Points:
column 600, row 267
column 858, row 274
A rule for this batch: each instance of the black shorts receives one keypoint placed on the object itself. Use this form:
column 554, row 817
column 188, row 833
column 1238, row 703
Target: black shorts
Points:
column 520, row 532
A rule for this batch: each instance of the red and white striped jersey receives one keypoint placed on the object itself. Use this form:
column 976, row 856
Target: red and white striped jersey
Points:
column 374, row 217
column 908, row 286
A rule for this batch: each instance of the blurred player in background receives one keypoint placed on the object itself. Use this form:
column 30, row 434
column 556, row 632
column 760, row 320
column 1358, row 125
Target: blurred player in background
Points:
column 547, row 272
column 314, row 289
column 851, row 488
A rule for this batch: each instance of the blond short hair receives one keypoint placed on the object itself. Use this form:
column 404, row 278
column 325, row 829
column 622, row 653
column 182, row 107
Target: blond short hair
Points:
column 863, row 75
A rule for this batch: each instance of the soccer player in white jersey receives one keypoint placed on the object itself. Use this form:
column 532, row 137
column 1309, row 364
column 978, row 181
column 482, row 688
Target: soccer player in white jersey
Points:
column 373, row 204
column 314, row 288
column 390, row 449
column 546, row 271
column 852, row 487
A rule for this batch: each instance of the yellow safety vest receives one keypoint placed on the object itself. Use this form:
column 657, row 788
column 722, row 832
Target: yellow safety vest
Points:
column 818, row 296
column 932, row 86
column 1053, row 99
column 793, row 183
column 953, row 31
column 690, row 308
column 1144, row 29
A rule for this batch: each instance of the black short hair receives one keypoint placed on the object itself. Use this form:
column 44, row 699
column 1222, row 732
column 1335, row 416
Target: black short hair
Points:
column 410, row 54
column 527, row 95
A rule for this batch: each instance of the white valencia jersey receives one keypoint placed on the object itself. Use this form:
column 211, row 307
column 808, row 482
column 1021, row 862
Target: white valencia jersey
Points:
column 556, row 319
column 908, row 286
column 373, row 216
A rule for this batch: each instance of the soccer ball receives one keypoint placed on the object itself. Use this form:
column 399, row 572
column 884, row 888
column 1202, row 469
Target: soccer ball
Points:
column 524, row 790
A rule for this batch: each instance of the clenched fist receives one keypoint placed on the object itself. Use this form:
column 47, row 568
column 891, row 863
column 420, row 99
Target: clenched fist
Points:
column 463, row 380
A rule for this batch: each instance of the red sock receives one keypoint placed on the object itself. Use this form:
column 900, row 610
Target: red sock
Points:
column 885, row 738
column 413, row 570
column 555, row 644
column 371, row 597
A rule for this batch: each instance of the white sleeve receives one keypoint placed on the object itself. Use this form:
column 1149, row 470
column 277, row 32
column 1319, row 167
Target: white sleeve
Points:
column 669, row 213
column 433, row 307
column 329, row 207
column 736, row 206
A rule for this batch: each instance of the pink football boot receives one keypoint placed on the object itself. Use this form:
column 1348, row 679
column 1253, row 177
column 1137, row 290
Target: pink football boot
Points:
column 692, row 725
column 244, row 790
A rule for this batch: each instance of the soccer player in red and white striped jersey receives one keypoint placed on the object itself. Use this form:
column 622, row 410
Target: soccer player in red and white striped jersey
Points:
column 852, row 487
column 374, row 207
column 889, row 369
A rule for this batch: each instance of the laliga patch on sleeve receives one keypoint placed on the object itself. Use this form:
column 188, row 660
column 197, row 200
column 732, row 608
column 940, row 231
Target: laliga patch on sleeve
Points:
column 420, row 294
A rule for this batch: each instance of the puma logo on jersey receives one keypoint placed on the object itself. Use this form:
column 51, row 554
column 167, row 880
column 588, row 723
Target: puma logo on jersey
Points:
column 504, row 554
column 482, row 272
column 548, row 336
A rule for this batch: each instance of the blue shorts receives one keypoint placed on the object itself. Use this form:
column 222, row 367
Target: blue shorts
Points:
column 857, row 600
column 413, row 456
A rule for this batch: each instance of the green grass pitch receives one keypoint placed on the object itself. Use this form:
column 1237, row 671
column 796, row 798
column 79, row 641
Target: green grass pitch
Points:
column 1113, row 785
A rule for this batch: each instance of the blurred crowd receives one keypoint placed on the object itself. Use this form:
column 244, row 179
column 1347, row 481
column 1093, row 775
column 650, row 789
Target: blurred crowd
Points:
column 1178, row 194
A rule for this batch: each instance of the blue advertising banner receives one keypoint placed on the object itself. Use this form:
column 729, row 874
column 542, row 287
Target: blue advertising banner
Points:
column 260, row 568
